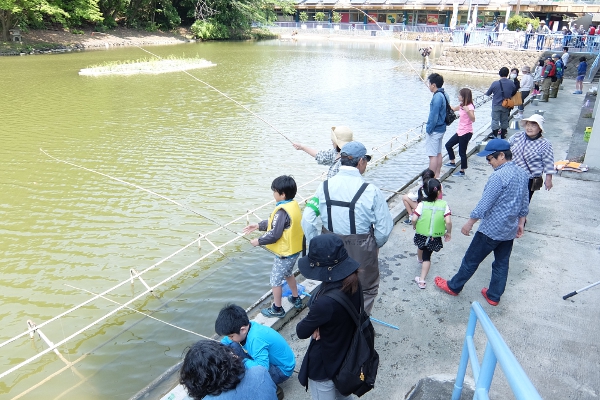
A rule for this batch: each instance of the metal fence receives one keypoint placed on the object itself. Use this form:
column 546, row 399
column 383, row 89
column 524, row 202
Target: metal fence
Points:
column 478, row 37
column 496, row 351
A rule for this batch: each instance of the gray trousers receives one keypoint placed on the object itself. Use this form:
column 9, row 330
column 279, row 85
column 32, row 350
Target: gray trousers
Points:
column 325, row 390
column 500, row 117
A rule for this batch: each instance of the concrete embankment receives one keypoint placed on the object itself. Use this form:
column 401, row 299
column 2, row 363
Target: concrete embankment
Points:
column 554, row 340
column 489, row 60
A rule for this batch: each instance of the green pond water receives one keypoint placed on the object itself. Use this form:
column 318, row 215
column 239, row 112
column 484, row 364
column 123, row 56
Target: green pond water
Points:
column 61, row 225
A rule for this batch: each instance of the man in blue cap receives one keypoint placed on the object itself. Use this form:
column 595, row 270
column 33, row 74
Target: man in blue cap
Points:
column 502, row 210
column 357, row 212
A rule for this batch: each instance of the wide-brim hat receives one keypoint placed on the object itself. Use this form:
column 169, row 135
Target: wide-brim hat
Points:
column 537, row 118
column 327, row 259
column 341, row 135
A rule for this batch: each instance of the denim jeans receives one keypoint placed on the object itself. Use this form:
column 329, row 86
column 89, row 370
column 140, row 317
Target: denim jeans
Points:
column 277, row 374
column 481, row 246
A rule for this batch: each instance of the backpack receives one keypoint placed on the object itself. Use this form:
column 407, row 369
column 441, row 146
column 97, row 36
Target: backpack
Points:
column 359, row 369
column 559, row 69
column 450, row 114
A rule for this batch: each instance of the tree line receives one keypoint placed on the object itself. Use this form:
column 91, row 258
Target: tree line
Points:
column 210, row 19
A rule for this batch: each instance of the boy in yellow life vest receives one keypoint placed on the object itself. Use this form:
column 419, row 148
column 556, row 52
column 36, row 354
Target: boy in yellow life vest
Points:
column 431, row 219
column 284, row 238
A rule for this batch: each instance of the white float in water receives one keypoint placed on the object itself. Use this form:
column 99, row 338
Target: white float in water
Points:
column 152, row 66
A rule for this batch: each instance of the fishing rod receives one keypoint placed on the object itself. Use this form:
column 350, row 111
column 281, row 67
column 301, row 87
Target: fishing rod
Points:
column 371, row 318
column 162, row 197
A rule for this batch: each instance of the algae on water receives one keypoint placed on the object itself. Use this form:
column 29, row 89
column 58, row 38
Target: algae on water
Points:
column 146, row 66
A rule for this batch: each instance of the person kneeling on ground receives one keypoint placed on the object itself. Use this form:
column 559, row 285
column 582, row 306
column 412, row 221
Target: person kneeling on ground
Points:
column 211, row 371
column 257, row 344
column 412, row 199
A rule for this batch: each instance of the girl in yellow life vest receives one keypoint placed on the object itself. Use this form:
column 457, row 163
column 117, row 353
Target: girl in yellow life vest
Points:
column 431, row 219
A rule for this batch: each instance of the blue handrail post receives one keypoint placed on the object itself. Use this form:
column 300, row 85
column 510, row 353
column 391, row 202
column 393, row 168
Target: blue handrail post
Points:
column 488, row 366
column 464, row 358
column 496, row 352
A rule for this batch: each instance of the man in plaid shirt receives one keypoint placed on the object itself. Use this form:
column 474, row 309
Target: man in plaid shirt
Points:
column 502, row 210
column 340, row 136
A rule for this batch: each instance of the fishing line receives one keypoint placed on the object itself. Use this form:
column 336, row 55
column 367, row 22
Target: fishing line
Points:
column 202, row 236
column 140, row 312
column 340, row 5
column 221, row 93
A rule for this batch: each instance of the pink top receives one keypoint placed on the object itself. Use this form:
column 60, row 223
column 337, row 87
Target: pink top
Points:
column 465, row 125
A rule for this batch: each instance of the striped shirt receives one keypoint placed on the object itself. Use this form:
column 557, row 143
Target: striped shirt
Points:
column 505, row 199
column 536, row 157
column 329, row 157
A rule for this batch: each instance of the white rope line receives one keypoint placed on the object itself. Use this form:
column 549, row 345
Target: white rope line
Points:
column 96, row 297
column 250, row 212
column 50, row 377
column 140, row 312
column 16, row 367
column 224, row 95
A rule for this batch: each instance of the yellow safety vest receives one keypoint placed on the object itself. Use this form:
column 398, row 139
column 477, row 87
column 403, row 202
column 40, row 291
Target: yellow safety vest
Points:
column 290, row 241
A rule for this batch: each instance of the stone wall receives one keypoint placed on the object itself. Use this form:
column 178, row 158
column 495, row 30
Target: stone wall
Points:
column 489, row 60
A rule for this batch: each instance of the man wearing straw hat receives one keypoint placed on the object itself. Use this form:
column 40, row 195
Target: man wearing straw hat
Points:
column 357, row 212
column 340, row 135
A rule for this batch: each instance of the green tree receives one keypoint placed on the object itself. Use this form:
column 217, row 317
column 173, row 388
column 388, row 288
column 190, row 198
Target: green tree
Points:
column 13, row 12
column 320, row 16
column 519, row 22
column 336, row 18
column 303, row 16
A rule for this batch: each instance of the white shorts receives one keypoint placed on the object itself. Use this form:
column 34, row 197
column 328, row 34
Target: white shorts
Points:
column 433, row 144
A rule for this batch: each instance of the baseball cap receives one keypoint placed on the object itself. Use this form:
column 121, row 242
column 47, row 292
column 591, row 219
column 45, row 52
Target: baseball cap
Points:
column 493, row 146
column 355, row 150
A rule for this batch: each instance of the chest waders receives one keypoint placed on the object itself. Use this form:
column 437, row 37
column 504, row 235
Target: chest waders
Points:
column 362, row 247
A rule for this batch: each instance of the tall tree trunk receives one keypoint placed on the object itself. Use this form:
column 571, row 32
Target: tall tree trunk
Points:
column 6, row 21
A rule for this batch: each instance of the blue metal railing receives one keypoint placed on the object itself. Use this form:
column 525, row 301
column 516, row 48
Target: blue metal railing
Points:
column 593, row 69
column 496, row 351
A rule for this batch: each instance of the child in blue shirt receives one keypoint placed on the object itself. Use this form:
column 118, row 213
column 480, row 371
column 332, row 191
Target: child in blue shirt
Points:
column 264, row 345
column 581, row 69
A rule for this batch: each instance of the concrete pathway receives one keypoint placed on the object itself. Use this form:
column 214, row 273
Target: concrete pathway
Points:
column 556, row 341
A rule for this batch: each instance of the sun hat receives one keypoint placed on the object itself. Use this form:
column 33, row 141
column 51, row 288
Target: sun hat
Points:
column 555, row 55
column 340, row 135
column 526, row 68
column 493, row 146
column 327, row 259
column 537, row 118
column 542, row 22
column 355, row 150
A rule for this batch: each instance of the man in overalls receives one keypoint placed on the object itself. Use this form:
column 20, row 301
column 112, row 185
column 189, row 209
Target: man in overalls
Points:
column 355, row 211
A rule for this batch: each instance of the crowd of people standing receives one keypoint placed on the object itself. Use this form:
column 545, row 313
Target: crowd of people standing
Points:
column 347, row 221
